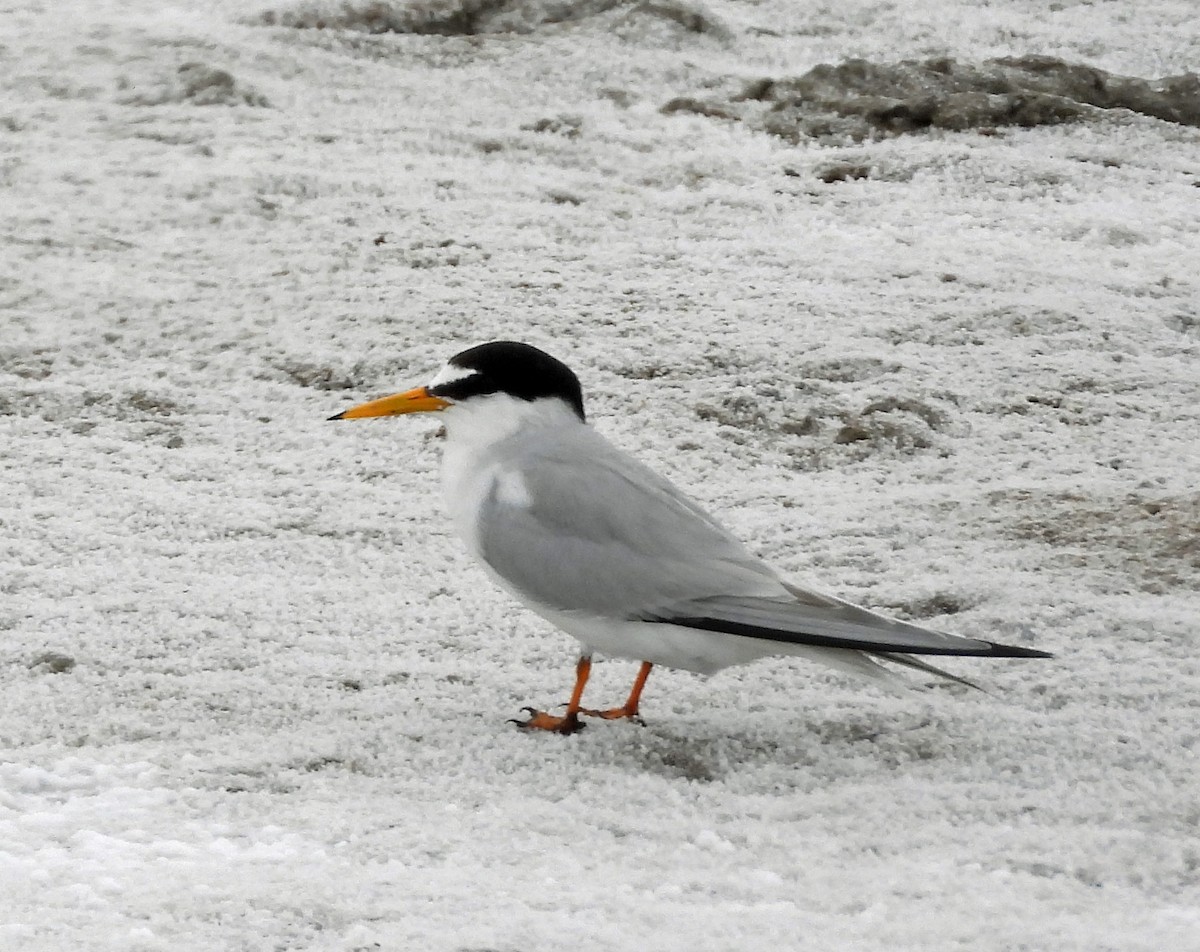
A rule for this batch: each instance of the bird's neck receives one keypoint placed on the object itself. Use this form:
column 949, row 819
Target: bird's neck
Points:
column 475, row 453
column 474, row 428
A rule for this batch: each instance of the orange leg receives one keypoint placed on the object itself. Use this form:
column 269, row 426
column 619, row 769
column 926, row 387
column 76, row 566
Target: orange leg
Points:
column 630, row 708
column 569, row 723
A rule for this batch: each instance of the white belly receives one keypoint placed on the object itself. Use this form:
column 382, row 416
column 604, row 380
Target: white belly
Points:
column 689, row 649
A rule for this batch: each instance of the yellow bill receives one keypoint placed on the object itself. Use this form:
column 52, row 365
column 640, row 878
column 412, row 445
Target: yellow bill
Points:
column 416, row 400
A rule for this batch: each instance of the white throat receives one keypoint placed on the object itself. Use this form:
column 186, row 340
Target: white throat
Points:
column 477, row 424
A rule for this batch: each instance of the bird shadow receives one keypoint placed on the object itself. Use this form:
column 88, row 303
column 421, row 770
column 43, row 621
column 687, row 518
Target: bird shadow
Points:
column 710, row 752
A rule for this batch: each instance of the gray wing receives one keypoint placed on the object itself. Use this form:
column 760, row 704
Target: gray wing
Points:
column 808, row 618
column 603, row 534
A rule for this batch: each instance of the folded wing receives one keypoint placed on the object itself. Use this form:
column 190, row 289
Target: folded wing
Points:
column 810, row 619
column 594, row 531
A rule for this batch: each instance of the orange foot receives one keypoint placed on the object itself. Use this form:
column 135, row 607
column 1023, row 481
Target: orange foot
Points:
column 629, row 709
column 569, row 723
column 615, row 714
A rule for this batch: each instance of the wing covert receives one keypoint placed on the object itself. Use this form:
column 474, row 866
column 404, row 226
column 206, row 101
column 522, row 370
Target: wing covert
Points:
column 600, row 533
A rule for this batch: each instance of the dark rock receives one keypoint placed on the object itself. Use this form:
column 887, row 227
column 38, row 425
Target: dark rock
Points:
column 53, row 662
column 568, row 127
column 446, row 18
column 699, row 107
column 199, row 85
column 860, row 99
column 843, row 172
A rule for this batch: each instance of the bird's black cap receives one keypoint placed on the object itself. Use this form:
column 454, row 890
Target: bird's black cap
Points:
column 520, row 370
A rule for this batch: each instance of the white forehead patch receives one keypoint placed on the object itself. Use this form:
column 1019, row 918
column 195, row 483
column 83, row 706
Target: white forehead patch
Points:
column 452, row 373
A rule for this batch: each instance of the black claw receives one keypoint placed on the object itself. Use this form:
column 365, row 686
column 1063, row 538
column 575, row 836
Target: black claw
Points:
column 520, row 723
column 578, row 725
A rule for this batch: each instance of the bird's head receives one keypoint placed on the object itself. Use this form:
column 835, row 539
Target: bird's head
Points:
column 499, row 373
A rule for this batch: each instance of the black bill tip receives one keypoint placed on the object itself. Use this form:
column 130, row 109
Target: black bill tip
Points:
column 336, row 416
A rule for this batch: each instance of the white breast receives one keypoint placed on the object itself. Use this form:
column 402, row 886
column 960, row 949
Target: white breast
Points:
column 477, row 463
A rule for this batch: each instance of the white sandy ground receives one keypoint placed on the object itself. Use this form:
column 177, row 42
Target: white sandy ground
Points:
column 285, row 726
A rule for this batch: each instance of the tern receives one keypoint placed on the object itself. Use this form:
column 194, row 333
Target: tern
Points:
column 613, row 554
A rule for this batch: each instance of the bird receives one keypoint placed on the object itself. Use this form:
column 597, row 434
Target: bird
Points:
column 612, row 553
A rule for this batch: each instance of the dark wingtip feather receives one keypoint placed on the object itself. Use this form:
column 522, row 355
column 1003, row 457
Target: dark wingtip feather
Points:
column 969, row 647
column 1012, row 651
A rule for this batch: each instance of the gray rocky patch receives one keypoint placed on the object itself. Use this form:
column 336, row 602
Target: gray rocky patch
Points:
column 28, row 363
column 843, row 172
column 52, row 662
column 569, row 127
column 442, row 253
column 824, row 433
column 1151, row 543
column 199, row 85
column 848, row 369
column 930, row 606
column 905, row 424
column 699, row 107
column 1184, row 323
column 738, row 410
column 859, row 99
column 322, row 376
column 434, row 17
